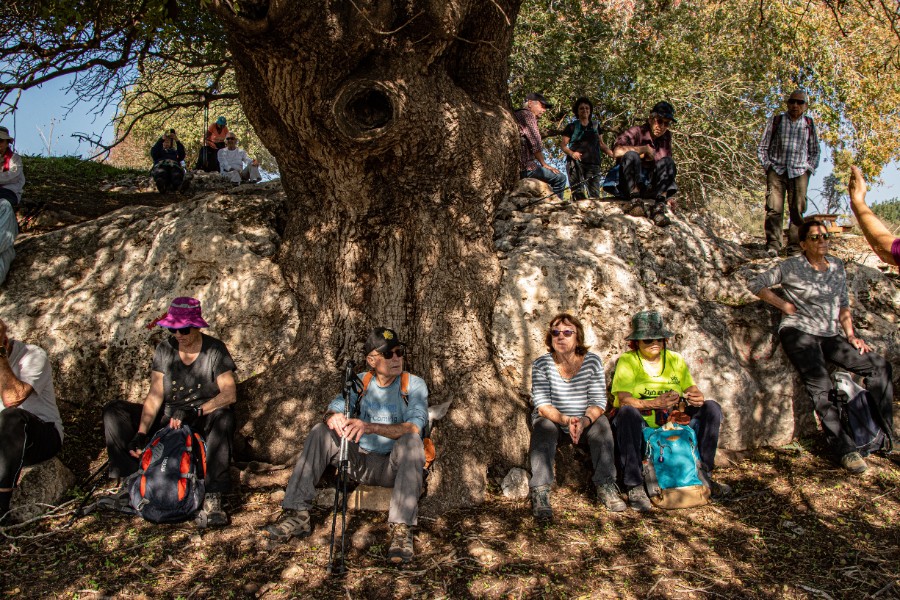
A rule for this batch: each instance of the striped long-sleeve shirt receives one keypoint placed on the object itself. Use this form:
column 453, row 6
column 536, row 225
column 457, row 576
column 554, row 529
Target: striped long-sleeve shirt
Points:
column 793, row 148
column 573, row 397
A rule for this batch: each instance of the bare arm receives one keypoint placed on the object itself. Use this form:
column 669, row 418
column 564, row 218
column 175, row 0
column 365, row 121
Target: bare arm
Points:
column 152, row 402
column 875, row 232
column 646, row 152
column 13, row 391
column 776, row 301
column 568, row 151
column 846, row 321
column 227, row 393
column 354, row 429
column 661, row 402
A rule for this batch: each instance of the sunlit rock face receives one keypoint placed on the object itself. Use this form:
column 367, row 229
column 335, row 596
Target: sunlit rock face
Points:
column 603, row 266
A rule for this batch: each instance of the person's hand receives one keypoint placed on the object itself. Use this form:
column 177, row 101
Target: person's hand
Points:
column 694, row 398
column 354, row 429
column 789, row 308
column 576, row 426
column 859, row 344
column 663, row 401
column 183, row 416
column 553, row 169
column 857, row 185
column 576, row 155
column 649, row 153
column 336, row 422
column 137, row 444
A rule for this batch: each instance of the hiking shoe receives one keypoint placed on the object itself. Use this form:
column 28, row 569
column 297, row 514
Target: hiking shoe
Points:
column 292, row 523
column 608, row 494
column 659, row 216
column 718, row 489
column 854, row 463
column 401, row 550
column 638, row 500
column 119, row 501
column 540, row 504
column 771, row 252
column 635, row 208
column 212, row 514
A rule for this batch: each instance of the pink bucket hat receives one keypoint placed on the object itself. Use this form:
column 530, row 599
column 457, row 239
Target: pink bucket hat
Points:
column 184, row 312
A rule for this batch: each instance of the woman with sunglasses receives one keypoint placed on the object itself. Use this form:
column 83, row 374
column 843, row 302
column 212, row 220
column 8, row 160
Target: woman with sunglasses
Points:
column 191, row 382
column 649, row 383
column 568, row 391
column 816, row 309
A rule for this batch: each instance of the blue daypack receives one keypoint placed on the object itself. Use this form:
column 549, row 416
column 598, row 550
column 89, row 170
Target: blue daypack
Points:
column 672, row 472
column 169, row 486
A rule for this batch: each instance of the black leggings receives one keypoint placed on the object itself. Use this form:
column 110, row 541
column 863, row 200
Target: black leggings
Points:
column 24, row 440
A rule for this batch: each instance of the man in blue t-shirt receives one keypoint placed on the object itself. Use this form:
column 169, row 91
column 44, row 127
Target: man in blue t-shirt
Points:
column 385, row 447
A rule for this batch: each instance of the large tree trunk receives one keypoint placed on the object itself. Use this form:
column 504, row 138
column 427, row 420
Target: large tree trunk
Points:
column 391, row 126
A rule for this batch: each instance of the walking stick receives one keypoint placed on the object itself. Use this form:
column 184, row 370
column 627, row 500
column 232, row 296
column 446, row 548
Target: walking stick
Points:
column 80, row 511
column 340, row 487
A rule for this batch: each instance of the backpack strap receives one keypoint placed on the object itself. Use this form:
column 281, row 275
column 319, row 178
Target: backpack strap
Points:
column 404, row 385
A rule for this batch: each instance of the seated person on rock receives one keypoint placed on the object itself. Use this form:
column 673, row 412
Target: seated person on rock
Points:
column 648, row 383
column 815, row 310
column 167, row 154
column 385, row 447
column 235, row 165
column 568, row 391
column 647, row 169
column 214, row 140
column 583, row 149
column 30, row 427
column 192, row 382
column 531, row 151
column 880, row 238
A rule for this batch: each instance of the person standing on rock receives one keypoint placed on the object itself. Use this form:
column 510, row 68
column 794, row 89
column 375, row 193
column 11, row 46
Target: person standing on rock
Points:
column 789, row 155
column 816, row 309
column 12, row 180
column 192, row 382
column 167, row 154
column 31, row 429
column 235, row 165
column 531, row 152
column 882, row 241
column 650, row 380
column 568, row 392
column 583, row 149
column 647, row 169
column 385, row 445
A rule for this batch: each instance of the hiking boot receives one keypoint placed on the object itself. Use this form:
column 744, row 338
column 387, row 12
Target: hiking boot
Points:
column 540, row 504
column 401, row 550
column 120, row 501
column 771, row 252
column 291, row 523
column 212, row 514
column 635, row 208
column 854, row 463
column 658, row 214
column 638, row 500
column 608, row 494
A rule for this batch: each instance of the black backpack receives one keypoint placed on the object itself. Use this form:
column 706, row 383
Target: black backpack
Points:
column 853, row 402
column 169, row 484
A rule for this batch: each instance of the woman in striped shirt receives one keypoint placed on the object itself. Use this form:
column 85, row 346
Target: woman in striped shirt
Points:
column 568, row 391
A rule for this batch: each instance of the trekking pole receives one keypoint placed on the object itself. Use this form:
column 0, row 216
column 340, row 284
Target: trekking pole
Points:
column 340, row 486
column 573, row 185
column 79, row 512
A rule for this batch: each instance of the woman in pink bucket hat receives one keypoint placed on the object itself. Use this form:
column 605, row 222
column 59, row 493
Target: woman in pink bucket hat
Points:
column 191, row 382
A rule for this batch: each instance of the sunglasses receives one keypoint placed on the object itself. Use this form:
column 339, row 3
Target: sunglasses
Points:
column 182, row 330
column 389, row 354
column 651, row 341
column 792, row 101
column 815, row 236
column 230, row 139
column 559, row 332
column 663, row 122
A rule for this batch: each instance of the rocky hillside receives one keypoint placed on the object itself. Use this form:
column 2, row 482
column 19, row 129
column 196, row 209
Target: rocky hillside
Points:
column 86, row 291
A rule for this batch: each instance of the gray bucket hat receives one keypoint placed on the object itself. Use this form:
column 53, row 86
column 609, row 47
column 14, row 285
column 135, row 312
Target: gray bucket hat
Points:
column 648, row 325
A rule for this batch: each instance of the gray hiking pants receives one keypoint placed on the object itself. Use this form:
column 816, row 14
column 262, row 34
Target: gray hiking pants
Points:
column 401, row 469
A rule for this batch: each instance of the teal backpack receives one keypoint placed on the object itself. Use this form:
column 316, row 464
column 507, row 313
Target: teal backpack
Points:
column 672, row 472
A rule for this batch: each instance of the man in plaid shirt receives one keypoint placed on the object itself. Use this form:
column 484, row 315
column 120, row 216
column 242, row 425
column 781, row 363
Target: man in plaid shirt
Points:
column 531, row 154
column 789, row 154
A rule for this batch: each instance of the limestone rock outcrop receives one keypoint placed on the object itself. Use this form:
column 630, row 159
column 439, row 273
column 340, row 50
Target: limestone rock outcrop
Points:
column 40, row 486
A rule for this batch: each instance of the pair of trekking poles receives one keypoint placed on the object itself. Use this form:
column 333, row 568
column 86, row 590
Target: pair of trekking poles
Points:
column 351, row 384
column 584, row 181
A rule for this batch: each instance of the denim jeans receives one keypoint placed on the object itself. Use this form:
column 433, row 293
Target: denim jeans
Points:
column 547, row 435
column 810, row 354
column 628, row 425
column 556, row 181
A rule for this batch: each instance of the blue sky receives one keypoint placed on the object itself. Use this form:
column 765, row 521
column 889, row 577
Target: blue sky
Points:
column 45, row 110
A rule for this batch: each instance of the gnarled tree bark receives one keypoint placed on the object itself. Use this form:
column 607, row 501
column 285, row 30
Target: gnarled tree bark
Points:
column 392, row 128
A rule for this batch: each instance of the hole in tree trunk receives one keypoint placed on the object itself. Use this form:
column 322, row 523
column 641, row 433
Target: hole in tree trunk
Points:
column 371, row 109
column 366, row 109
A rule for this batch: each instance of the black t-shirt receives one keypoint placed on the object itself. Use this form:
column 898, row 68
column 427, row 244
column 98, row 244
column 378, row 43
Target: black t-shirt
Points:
column 585, row 140
column 193, row 384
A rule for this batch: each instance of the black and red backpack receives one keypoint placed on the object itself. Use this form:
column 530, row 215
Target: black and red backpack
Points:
column 169, row 484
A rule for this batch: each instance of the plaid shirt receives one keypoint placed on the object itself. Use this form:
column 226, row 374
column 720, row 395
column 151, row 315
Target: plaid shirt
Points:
column 531, row 139
column 794, row 149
